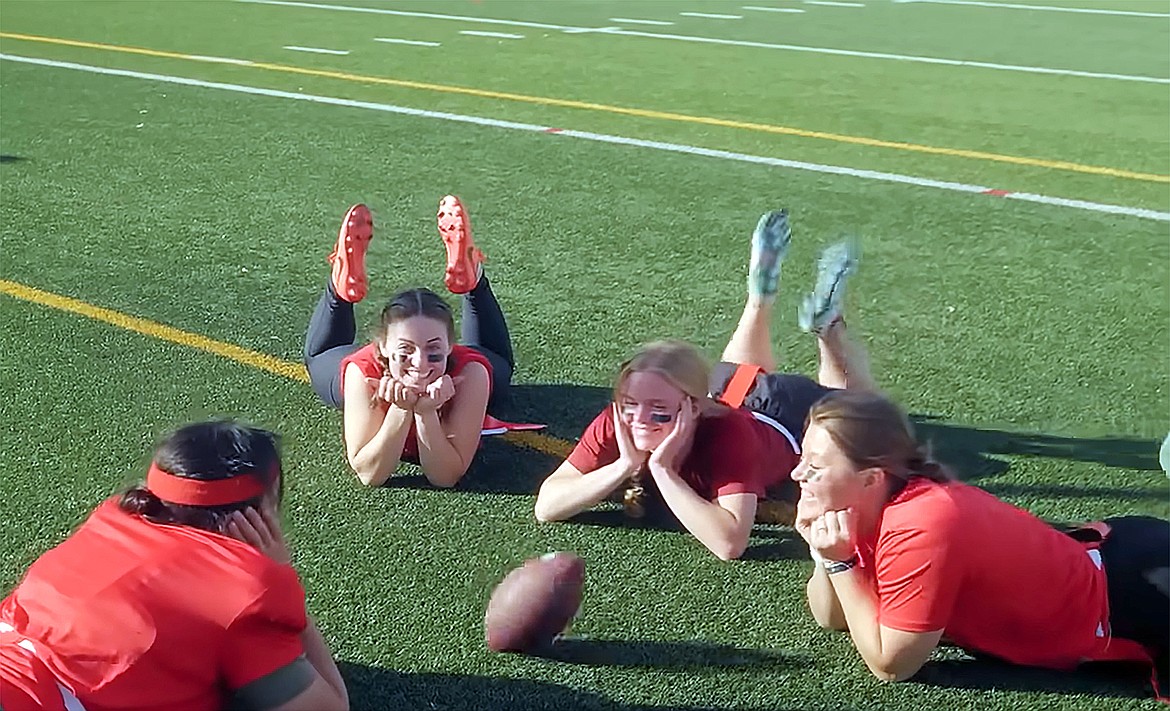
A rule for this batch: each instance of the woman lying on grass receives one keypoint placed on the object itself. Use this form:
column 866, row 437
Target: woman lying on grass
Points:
column 907, row 557
column 177, row 594
column 714, row 462
column 413, row 394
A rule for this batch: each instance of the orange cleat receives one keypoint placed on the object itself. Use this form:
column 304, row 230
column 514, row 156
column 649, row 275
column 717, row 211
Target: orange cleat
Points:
column 463, row 258
column 349, row 256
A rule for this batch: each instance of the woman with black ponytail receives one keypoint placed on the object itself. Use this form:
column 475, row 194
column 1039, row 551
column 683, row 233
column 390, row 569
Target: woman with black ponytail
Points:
column 906, row 556
column 413, row 394
column 178, row 594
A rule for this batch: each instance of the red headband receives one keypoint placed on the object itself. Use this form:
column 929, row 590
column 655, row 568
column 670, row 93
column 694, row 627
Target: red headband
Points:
column 202, row 492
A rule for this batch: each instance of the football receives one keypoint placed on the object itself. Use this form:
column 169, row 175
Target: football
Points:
column 534, row 603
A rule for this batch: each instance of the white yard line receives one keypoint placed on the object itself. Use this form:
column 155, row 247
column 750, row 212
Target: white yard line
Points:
column 737, row 43
column 501, row 35
column 711, row 15
column 587, row 30
column 419, row 43
column 220, row 60
column 771, row 9
column 879, row 176
column 1038, row 8
column 834, row 4
column 407, row 13
column 316, row 50
column 630, row 21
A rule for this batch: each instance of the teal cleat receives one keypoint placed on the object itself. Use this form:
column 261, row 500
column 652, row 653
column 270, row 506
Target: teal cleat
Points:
column 822, row 307
column 769, row 246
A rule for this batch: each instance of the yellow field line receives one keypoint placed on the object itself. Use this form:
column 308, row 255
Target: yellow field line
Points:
column 260, row 361
column 626, row 111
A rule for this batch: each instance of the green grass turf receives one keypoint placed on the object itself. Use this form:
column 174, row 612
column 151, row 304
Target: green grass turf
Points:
column 1099, row 122
column 1030, row 340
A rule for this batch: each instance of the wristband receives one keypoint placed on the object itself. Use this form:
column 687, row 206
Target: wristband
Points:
column 833, row 567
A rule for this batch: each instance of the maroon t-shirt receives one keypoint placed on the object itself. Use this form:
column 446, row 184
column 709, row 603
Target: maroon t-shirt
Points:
column 732, row 453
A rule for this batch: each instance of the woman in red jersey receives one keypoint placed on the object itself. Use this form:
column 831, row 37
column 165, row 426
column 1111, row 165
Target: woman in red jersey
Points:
column 715, row 446
column 414, row 394
column 907, row 557
column 179, row 594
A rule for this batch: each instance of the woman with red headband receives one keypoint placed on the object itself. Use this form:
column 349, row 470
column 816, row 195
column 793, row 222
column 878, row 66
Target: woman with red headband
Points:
column 178, row 594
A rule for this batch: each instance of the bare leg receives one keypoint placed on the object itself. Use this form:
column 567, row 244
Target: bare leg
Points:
column 752, row 341
column 844, row 363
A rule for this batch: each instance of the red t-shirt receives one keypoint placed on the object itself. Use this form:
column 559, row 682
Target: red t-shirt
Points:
column 365, row 358
column 732, row 453
column 993, row 577
column 130, row 614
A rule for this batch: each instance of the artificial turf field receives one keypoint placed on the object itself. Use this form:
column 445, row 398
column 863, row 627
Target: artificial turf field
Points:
column 164, row 232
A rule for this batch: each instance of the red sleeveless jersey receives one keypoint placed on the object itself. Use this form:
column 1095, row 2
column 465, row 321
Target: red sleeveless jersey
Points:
column 365, row 358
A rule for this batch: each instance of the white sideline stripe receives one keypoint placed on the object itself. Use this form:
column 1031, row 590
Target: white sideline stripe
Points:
column 1043, row 8
column 712, row 40
column 834, row 4
column 771, row 9
column 607, row 138
column 711, row 15
column 629, row 21
column 221, row 60
column 316, row 50
column 886, row 55
column 502, row 35
column 395, row 40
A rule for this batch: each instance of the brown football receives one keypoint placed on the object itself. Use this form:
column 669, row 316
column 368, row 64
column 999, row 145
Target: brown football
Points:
column 534, row 603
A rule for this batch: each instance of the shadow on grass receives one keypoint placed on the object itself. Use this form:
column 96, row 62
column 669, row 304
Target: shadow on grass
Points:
column 503, row 468
column 778, row 544
column 375, row 689
column 1112, row 679
column 613, row 516
column 962, row 442
column 567, row 409
column 6, row 158
column 768, row 542
column 590, row 652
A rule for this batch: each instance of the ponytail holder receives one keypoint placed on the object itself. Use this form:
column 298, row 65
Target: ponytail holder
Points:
column 202, row 492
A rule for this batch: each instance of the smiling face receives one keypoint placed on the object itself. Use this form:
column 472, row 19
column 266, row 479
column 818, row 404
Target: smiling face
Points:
column 827, row 478
column 649, row 404
column 417, row 350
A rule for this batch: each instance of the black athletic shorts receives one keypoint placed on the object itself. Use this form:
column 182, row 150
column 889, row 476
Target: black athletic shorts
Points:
column 783, row 397
column 1136, row 557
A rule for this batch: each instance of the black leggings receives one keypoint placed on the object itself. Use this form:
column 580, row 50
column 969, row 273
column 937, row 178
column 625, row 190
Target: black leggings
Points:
column 332, row 336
